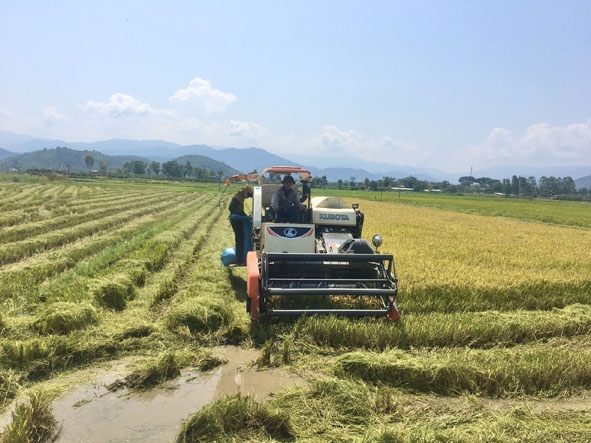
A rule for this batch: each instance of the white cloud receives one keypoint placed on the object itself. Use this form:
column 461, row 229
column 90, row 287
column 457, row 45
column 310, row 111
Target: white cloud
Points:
column 124, row 116
column 221, row 133
column 51, row 115
column 120, row 105
column 332, row 141
column 248, row 130
column 540, row 145
column 6, row 113
column 202, row 91
column 47, row 123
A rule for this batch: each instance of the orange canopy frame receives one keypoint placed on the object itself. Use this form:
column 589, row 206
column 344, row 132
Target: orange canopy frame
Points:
column 303, row 174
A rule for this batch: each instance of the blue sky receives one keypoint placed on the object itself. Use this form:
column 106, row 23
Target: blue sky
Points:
column 445, row 84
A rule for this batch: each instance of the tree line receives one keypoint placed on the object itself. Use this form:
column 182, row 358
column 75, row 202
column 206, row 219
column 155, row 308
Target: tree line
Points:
column 518, row 186
column 169, row 169
column 526, row 187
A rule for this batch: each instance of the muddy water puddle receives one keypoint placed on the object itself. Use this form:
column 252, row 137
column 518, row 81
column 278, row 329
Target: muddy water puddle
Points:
column 94, row 414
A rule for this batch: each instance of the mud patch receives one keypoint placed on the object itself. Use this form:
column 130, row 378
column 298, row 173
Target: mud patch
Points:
column 94, row 414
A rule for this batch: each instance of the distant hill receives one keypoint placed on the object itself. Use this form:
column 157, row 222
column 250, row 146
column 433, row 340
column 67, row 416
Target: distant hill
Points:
column 583, row 182
column 63, row 159
column 73, row 160
column 157, row 150
column 245, row 160
column 251, row 159
column 200, row 161
column 5, row 154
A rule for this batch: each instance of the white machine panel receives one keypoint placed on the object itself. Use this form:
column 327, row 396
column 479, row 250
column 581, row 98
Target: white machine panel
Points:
column 288, row 237
column 337, row 217
column 332, row 211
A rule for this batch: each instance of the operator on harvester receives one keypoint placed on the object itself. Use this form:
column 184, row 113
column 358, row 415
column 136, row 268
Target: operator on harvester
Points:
column 286, row 201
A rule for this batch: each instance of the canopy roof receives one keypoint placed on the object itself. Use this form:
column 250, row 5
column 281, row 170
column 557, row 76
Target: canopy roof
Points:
column 303, row 174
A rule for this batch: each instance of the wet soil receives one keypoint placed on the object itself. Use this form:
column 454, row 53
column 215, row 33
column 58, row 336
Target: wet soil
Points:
column 89, row 412
column 92, row 413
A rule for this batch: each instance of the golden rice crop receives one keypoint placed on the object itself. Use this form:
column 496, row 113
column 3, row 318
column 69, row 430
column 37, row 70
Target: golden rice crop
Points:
column 492, row 307
column 450, row 261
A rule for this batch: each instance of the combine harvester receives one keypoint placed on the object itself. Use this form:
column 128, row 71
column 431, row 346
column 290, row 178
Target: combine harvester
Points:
column 320, row 260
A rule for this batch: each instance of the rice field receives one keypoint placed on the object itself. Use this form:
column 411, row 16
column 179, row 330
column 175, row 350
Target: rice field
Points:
column 494, row 343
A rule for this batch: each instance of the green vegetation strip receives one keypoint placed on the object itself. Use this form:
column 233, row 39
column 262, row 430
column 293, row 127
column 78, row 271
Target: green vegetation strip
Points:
column 60, row 208
column 26, row 231
column 205, row 307
column 67, row 334
column 19, row 196
column 23, row 282
column 472, row 329
column 532, row 295
column 349, row 410
column 138, row 244
column 236, row 418
column 13, row 252
column 467, row 343
column 537, row 210
column 523, row 370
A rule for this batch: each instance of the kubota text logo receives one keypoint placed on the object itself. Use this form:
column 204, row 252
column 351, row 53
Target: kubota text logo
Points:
column 334, row 217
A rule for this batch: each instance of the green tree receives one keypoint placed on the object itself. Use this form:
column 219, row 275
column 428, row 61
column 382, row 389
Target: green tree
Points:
column 139, row 167
column 466, row 180
column 188, row 170
column 172, row 169
column 409, row 182
column 515, row 185
column 155, row 167
column 444, row 186
column 550, row 186
column 420, row 185
column 89, row 160
column 316, row 182
column 568, row 186
column 507, row 186
column 534, row 185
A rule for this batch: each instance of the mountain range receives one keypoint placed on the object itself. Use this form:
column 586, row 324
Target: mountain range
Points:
column 251, row 159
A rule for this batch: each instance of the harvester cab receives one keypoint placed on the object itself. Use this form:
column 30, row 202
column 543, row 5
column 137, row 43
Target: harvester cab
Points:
column 316, row 263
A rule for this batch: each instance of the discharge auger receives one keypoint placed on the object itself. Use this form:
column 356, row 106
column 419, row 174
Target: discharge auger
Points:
column 235, row 178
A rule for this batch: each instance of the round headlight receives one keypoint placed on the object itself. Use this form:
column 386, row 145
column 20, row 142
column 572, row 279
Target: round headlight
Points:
column 376, row 241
